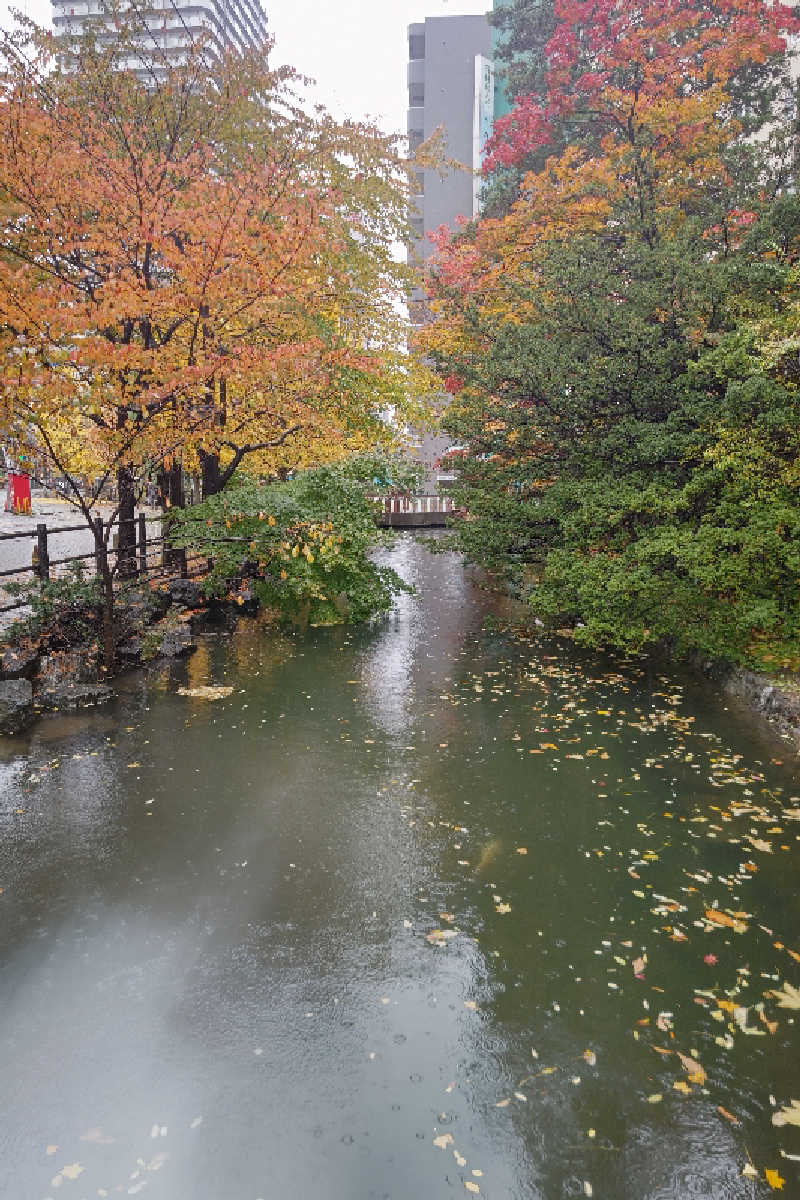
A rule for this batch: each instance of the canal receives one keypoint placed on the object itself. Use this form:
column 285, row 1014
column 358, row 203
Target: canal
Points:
column 416, row 911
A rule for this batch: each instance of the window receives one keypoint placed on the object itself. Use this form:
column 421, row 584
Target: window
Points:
column 416, row 45
column 416, row 94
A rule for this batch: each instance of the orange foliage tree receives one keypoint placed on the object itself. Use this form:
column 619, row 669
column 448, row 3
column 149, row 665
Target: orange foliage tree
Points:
column 190, row 265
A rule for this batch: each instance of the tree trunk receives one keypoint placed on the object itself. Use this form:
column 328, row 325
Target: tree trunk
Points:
column 211, row 474
column 162, row 483
column 107, row 582
column 126, row 545
column 176, row 496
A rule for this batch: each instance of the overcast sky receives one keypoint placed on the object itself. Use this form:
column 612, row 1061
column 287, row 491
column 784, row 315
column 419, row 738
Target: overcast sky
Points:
column 356, row 49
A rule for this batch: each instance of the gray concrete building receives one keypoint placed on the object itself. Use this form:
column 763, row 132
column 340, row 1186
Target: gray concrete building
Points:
column 450, row 87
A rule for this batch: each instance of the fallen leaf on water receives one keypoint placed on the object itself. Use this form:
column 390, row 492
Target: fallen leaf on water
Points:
column 462, row 1162
column 680, row 1086
column 789, row 1115
column 522, row 849
column 503, row 908
column 749, row 1171
column 774, row 1179
column 470, row 1186
column 437, row 937
column 98, row 1137
column 72, row 1171
column 471, row 1005
column 206, row 692
column 656, row 1098
column 722, row 918
column 692, row 1068
column 443, row 1141
column 521, row 1096
column 639, row 965
column 503, row 1103
column 728, row 1116
column 51, row 1149
column 590, row 1057
column 789, row 997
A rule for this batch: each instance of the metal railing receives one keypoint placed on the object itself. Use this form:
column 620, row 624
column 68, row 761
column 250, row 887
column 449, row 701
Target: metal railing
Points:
column 145, row 555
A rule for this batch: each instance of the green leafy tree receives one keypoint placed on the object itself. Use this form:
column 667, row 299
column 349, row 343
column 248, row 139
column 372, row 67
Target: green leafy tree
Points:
column 305, row 545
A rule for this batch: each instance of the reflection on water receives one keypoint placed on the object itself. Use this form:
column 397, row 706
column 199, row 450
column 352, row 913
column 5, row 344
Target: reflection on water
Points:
column 417, row 907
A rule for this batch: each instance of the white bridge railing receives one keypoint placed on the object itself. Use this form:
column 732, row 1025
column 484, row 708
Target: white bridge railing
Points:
column 415, row 505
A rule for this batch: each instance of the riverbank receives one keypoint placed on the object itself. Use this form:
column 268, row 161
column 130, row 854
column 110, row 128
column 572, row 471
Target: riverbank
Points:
column 775, row 699
column 60, row 666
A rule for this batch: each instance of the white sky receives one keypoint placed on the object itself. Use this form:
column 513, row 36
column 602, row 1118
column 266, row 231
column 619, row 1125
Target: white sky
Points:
column 355, row 49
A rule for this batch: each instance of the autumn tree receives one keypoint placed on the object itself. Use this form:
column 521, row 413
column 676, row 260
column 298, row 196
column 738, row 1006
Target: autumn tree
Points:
column 191, row 266
column 602, row 338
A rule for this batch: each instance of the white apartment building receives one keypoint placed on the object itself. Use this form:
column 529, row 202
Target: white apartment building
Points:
column 169, row 27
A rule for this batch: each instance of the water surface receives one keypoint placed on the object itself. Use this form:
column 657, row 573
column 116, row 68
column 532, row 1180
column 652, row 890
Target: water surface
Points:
column 418, row 911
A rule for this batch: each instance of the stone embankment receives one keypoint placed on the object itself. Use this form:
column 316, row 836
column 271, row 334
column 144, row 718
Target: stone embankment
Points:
column 49, row 673
column 775, row 698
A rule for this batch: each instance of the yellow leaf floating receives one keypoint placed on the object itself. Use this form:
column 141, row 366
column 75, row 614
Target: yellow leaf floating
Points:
column 722, row 918
column 789, row 1115
column 206, row 692
column 774, row 1179
column 788, row 997
column 470, row 1186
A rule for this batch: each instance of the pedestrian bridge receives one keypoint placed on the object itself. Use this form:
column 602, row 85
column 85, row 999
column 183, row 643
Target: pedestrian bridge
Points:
column 414, row 512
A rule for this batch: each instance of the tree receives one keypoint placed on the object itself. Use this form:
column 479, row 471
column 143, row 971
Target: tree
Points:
column 620, row 439
column 190, row 266
column 304, row 544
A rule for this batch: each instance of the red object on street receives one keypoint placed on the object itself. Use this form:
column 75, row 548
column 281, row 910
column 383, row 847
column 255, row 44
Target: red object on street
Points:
column 18, row 493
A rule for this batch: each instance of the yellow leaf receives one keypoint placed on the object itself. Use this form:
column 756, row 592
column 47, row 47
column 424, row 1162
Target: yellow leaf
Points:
column 789, row 997
column 721, row 918
column 788, row 1116
column 72, row 1171
column 470, row 1186
column 774, row 1179
column 692, row 1067
column 680, row 1086
column 206, row 692
column 444, row 1141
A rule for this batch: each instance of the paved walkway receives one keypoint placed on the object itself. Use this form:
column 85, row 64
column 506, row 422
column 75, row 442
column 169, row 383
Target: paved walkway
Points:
column 56, row 514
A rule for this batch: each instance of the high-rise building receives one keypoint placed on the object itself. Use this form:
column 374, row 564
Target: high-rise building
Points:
column 450, row 87
column 167, row 28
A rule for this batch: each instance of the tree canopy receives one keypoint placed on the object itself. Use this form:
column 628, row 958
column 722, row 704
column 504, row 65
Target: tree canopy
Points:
column 620, row 340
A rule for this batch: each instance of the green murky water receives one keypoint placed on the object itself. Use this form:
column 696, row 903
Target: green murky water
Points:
column 417, row 911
